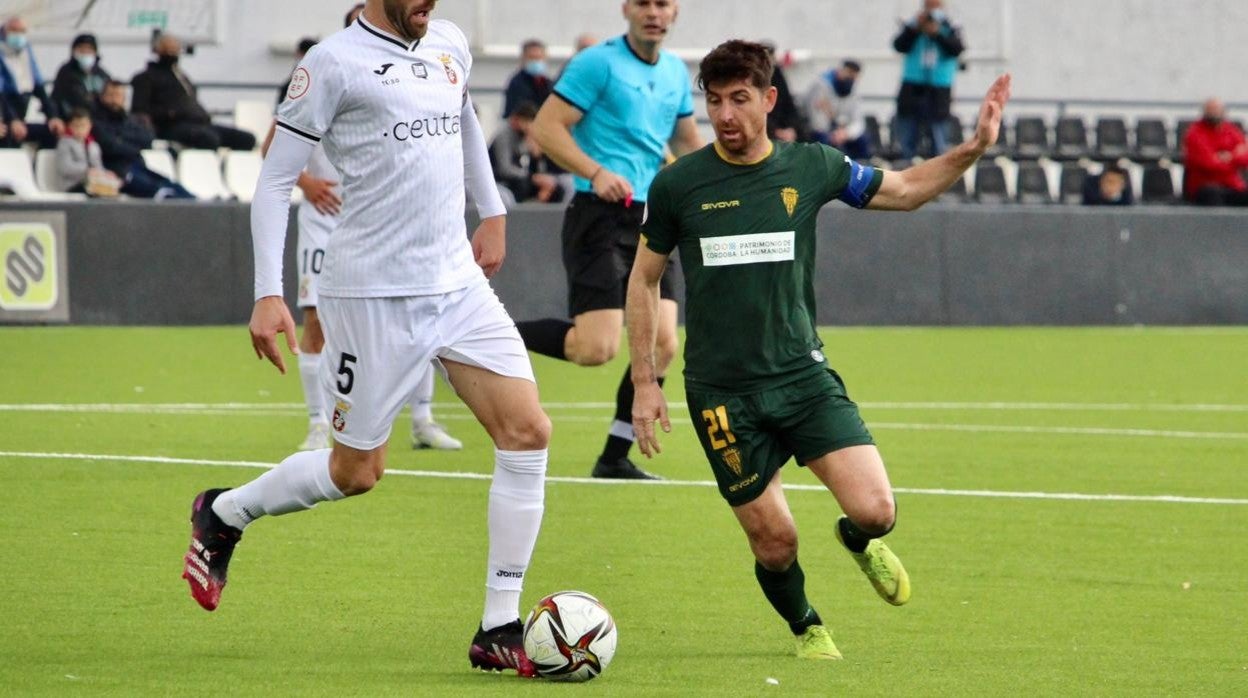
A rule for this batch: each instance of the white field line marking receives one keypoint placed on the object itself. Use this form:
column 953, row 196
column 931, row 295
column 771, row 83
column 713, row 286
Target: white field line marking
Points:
column 450, row 475
column 292, row 409
column 272, row 407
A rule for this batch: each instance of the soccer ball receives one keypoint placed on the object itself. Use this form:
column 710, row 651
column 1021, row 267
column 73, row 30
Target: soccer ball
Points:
column 570, row 636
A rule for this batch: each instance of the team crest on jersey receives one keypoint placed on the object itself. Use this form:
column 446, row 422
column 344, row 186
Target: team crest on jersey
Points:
column 789, row 196
column 420, row 71
column 450, row 68
column 732, row 458
column 300, row 81
column 340, row 415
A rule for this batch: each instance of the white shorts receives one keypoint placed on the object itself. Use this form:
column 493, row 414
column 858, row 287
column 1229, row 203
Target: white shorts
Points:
column 378, row 349
column 314, row 229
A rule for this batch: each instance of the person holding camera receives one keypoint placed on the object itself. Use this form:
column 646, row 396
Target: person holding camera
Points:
column 932, row 46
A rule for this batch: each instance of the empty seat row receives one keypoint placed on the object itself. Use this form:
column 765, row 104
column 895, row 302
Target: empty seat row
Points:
column 1002, row 180
column 1069, row 138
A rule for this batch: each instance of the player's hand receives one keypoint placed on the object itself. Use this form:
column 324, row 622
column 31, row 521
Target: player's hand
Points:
column 649, row 408
column 989, row 126
column 489, row 245
column 609, row 186
column 269, row 318
column 320, row 193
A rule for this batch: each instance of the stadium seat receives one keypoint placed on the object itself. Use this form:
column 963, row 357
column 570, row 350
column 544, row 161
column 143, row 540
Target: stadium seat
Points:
column 17, row 172
column 254, row 115
column 242, row 169
column 45, row 169
column 200, row 172
column 956, row 135
column 1002, row 146
column 1180, row 132
column 1032, row 184
column 874, row 135
column 990, row 186
column 1031, row 137
column 1070, row 186
column 1072, row 138
column 1158, row 185
column 1152, row 142
column 1111, row 138
column 160, row 162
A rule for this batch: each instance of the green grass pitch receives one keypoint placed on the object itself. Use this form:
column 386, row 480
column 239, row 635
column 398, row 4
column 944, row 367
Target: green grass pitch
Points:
column 1013, row 595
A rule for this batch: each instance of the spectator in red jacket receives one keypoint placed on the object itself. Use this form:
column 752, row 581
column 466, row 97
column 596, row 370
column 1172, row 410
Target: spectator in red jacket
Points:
column 1214, row 152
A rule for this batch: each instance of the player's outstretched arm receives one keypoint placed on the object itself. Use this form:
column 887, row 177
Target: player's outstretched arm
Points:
column 642, row 314
column 911, row 188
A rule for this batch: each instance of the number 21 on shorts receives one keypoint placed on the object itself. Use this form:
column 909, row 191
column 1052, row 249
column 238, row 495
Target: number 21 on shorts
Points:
column 717, row 425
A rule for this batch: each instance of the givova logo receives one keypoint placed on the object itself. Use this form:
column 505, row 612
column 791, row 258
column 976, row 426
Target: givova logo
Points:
column 27, row 267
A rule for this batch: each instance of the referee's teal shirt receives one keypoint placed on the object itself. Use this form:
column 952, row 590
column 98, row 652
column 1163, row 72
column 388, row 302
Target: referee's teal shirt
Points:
column 630, row 109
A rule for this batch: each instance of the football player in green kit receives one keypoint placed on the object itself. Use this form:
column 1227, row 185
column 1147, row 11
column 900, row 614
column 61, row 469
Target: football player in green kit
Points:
column 742, row 213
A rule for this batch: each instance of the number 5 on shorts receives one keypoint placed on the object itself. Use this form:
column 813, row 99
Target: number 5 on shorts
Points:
column 344, row 369
column 717, row 422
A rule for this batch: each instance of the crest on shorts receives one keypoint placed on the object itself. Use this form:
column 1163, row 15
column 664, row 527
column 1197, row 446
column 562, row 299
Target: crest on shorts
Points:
column 340, row 415
column 789, row 196
column 450, row 69
column 732, row 458
column 304, row 284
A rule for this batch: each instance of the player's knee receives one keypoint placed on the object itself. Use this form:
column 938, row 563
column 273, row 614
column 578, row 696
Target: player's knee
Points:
column 777, row 552
column 529, row 432
column 878, row 516
column 595, row 352
column 356, row 476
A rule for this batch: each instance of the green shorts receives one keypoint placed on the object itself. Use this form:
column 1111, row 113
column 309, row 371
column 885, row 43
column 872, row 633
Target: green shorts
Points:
column 747, row 438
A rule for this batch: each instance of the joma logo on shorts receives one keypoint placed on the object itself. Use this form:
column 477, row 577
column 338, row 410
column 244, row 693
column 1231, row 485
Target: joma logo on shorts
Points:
column 721, row 205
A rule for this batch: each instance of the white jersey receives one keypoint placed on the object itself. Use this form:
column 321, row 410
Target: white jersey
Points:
column 388, row 115
column 310, row 219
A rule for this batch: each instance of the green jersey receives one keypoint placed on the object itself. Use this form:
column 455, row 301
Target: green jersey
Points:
column 746, row 235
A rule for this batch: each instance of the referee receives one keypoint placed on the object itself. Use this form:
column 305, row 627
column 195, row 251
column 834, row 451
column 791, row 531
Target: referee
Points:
column 615, row 110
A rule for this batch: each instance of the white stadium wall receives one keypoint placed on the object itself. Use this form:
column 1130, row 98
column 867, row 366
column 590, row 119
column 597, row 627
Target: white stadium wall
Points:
column 1145, row 50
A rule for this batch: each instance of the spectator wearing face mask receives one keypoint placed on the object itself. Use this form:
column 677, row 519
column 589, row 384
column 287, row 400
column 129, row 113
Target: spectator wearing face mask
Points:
column 1214, row 155
column 21, row 81
column 81, row 79
column 532, row 82
column 836, row 116
column 167, row 98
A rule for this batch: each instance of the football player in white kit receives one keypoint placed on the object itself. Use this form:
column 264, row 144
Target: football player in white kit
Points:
column 317, row 215
column 401, row 285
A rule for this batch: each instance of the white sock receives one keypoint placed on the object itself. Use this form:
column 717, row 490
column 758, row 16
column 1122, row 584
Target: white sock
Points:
column 517, row 497
column 313, row 394
column 422, row 398
column 297, row 483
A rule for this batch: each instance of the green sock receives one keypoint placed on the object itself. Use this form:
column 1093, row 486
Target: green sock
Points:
column 787, row 593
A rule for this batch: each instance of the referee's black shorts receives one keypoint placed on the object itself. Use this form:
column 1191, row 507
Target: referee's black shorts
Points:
column 599, row 244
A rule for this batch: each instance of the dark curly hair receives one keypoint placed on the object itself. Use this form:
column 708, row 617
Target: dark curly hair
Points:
column 737, row 60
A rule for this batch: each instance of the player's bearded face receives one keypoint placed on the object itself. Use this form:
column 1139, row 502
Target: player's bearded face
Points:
column 738, row 114
column 410, row 17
